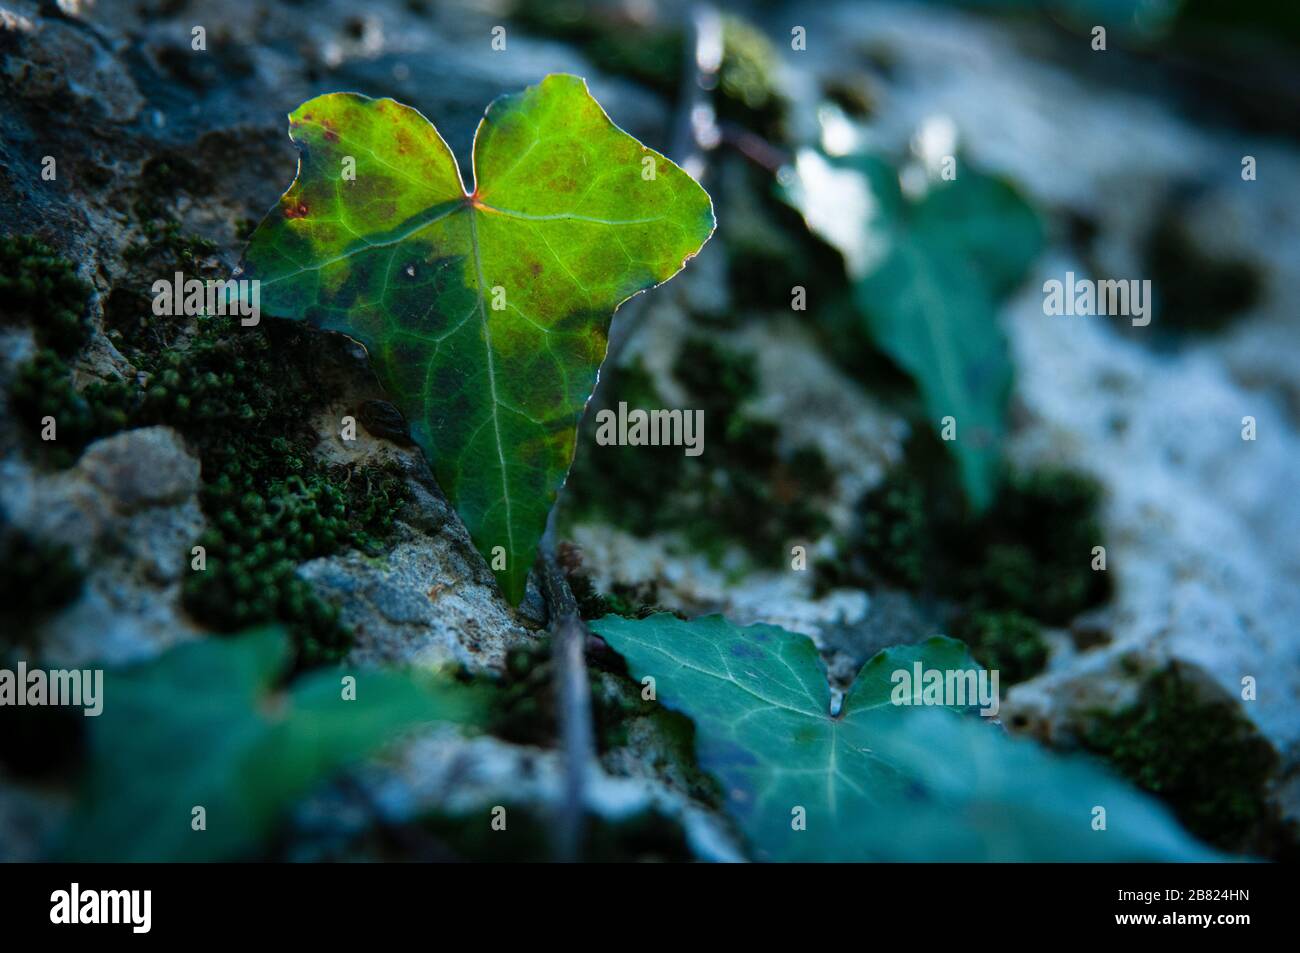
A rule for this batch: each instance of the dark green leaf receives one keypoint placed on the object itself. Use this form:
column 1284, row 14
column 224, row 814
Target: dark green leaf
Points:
column 204, row 726
column 879, row 781
column 928, row 272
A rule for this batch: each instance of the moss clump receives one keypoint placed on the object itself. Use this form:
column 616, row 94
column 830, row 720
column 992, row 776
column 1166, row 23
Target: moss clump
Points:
column 38, row 577
column 42, row 387
column 625, row 485
column 747, row 80
column 166, row 242
column 37, row 285
column 644, row 50
column 770, row 250
column 1197, row 291
column 755, row 493
column 271, row 504
column 854, row 93
column 1205, row 758
column 253, row 548
column 744, row 489
column 653, row 52
column 1033, row 551
column 241, row 397
column 525, row 709
column 161, row 179
column 893, row 531
column 1027, row 560
column 1010, row 642
column 630, row 602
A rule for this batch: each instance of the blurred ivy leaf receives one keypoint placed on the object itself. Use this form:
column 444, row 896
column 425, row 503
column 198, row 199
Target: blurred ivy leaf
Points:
column 485, row 312
column 878, row 781
column 927, row 273
column 205, row 725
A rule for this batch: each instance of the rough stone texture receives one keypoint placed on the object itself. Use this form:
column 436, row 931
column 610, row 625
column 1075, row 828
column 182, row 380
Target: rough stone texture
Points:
column 54, row 61
column 141, row 468
column 430, row 600
column 131, row 534
column 814, row 404
column 448, row 773
column 1201, row 547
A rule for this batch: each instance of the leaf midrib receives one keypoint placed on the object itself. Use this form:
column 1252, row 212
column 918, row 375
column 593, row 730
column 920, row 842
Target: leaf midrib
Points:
column 492, row 379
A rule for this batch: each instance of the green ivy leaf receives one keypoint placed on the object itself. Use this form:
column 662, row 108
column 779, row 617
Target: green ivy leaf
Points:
column 485, row 311
column 927, row 275
column 878, row 781
column 204, row 725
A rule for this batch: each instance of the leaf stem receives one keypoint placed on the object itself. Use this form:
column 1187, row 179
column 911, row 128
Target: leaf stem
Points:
column 577, row 738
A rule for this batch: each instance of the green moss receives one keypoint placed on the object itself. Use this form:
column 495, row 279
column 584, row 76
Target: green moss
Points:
column 271, row 503
column 1010, row 642
column 747, row 80
column 745, row 489
column 646, row 51
column 42, row 387
column 755, row 493
column 720, row 379
column 624, row 485
column 652, row 57
column 1196, row 291
column 38, row 286
column 161, row 179
column 1033, row 551
column 893, row 535
column 853, row 93
column 630, row 602
column 1205, row 759
column 242, row 398
column 652, row 52
column 1030, row 555
column 525, row 704
column 165, row 242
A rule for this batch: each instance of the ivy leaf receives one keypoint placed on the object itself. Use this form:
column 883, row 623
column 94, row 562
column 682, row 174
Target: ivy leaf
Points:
column 878, row 781
column 927, row 275
column 485, row 310
column 204, row 725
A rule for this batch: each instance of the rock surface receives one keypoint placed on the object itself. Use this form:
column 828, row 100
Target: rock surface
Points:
column 129, row 511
